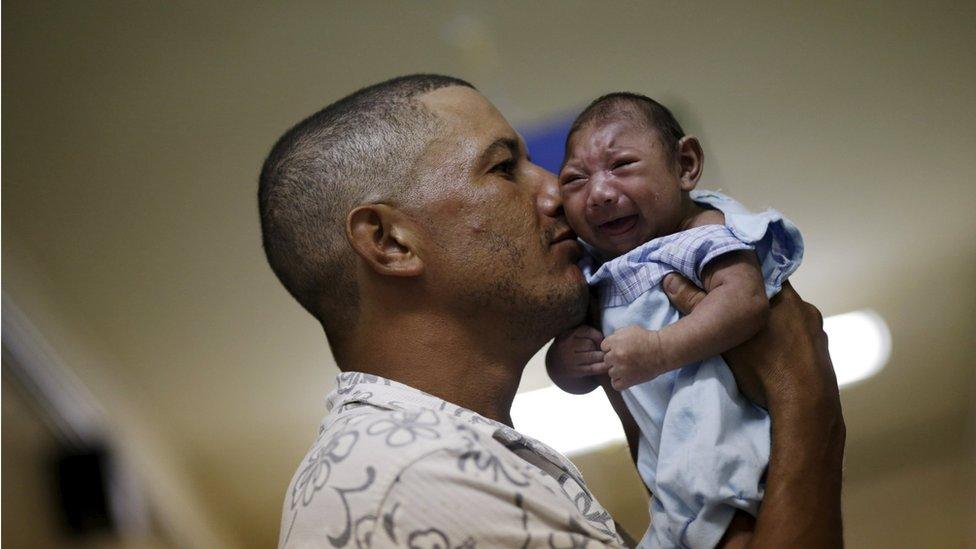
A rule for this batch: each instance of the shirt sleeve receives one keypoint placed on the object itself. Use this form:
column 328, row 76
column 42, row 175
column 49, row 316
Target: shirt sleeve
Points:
column 689, row 252
column 450, row 500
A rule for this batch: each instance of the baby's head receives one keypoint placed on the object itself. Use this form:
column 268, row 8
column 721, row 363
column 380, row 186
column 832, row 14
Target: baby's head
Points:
column 628, row 170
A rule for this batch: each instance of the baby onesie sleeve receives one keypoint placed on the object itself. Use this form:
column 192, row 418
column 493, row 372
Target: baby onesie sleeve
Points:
column 689, row 252
column 777, row 241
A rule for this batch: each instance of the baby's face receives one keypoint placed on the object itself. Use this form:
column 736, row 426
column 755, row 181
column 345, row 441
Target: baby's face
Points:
column 619, row 187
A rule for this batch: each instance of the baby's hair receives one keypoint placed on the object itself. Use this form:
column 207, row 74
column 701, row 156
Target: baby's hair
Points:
column 650, row 114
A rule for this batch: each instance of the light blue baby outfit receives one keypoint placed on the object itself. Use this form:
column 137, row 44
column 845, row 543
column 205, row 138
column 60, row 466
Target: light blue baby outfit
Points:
column 703, row 447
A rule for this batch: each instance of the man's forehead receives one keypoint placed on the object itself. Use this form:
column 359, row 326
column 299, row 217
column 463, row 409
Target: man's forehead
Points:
column 466, row 111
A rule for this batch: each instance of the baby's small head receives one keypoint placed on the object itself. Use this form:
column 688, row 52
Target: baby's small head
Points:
column 627, row 173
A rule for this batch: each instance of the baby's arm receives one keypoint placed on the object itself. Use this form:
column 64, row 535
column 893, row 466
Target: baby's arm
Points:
column 734, row 309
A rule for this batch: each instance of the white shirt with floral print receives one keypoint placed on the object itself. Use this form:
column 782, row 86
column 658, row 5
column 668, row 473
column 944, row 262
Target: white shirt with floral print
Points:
column 396, row 467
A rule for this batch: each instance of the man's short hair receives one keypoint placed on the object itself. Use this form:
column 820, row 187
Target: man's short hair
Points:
column 360, row 149
column 649, row 113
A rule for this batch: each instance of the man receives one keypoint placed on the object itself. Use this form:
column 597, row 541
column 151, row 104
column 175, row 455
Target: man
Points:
column 408, row 219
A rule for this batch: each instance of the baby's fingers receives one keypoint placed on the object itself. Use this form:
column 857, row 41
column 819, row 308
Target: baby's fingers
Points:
column 622, row 383
column 618, row 378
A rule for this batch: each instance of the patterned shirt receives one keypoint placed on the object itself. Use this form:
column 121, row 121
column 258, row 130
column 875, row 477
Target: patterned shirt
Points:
column 396, row 467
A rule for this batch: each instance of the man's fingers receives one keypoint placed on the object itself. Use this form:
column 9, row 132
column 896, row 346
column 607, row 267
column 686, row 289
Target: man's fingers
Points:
column 683, row 294
column 596, row 369
column 588, row 357
column 590, row 333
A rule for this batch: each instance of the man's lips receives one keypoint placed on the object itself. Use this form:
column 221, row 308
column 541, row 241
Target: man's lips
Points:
column 566, row 238
column 562, row 234
column 617, row 226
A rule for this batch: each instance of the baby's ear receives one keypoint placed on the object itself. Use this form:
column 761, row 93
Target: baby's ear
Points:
column 691, row 161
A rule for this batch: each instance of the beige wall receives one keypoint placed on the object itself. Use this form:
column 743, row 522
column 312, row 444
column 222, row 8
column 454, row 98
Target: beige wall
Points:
column 116, row 413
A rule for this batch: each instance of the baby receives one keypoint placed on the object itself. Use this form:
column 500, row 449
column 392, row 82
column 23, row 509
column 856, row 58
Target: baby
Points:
column 628, row 185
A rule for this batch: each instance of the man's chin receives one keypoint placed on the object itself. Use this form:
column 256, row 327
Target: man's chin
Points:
column 576, row 304
column 561, row 308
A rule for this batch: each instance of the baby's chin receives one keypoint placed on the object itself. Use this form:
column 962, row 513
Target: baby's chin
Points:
column 608, row 252
column 611, row 250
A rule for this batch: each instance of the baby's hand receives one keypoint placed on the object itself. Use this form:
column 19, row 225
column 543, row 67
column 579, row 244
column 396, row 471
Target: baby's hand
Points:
column 634, row 355
column 575, row 358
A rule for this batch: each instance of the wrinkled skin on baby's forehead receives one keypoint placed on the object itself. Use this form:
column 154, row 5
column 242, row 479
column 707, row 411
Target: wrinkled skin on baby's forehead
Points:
column 627, row 119
column 596, row 137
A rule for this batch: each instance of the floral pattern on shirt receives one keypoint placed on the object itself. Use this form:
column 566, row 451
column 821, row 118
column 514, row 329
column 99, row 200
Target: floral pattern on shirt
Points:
column 393, row 466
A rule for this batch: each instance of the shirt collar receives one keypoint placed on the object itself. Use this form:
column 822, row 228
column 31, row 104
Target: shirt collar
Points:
column 362, row 388
column 358, row 388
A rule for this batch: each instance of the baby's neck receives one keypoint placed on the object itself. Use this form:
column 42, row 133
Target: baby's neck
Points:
column 694, row 215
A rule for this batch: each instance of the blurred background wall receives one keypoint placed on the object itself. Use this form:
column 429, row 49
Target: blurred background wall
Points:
column 134, row 284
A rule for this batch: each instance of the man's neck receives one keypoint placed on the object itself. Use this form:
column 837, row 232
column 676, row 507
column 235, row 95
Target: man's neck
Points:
column 440, row 357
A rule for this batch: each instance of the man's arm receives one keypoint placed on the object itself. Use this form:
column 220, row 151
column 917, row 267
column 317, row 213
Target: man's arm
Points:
column 787, row 367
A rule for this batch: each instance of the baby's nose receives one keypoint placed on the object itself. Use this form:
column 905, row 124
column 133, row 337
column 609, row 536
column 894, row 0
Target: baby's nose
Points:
column 602, row 193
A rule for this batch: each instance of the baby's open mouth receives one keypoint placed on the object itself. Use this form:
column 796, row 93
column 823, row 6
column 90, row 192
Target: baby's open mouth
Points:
column 618, row 226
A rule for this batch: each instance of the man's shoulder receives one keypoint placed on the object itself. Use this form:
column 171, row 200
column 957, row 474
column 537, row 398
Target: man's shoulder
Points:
column 390, row 439
column 360, row 453
column 398, row 436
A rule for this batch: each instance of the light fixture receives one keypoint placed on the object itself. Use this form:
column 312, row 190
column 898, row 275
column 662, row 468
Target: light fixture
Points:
column 859, row 343
column 569, row 423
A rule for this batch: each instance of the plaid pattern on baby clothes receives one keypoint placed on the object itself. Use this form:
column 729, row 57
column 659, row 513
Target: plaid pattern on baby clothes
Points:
column 776, row 240
column 623, row 278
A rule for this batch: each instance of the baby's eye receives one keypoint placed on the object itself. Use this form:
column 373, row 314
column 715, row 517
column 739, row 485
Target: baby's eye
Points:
column 622, row 163
column 570, row 179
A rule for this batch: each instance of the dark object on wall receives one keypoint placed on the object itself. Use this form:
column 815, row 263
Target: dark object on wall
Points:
column 82, row 482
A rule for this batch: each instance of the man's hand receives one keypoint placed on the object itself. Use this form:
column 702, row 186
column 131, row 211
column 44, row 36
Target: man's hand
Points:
column 574, row 361
column 786, row 360
column 786, row 366
column 634, row 355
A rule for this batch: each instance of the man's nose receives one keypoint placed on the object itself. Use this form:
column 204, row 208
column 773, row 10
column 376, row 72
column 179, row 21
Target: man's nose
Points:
column 548, row 198
column 602, row 192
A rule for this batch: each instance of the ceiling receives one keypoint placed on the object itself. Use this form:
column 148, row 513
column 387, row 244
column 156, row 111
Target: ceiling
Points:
column 133, row 135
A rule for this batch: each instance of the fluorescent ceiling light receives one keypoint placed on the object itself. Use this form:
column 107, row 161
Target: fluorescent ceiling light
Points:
column 569, row 423
column 860, row 345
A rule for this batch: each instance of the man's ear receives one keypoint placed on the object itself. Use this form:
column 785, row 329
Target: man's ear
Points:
column 691, row 161
column 386, row 239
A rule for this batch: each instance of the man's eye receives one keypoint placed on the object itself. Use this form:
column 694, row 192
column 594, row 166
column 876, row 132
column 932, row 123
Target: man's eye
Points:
column 506, row 168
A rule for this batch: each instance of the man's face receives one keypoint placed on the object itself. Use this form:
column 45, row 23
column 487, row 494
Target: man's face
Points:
column 499, row 240
column 619, row 186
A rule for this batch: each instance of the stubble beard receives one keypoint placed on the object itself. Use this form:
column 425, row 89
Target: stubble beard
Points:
column 535, row 311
